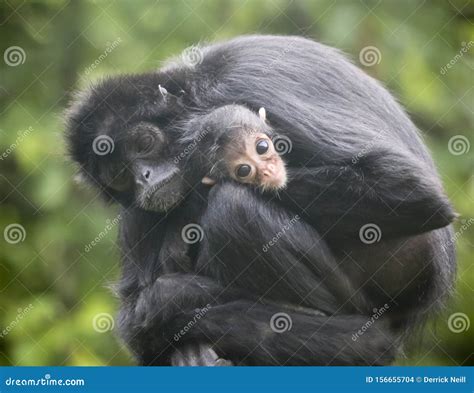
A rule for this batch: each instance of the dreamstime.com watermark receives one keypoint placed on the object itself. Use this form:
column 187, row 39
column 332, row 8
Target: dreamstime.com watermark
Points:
column 282, row 144
column 280, row 58
column 44, row 381
column 281, row 322
column 279, row 234
column 370, row 56
column 22, row 312
column 22, row 134
column 192, row 233
column 370, row 233
column 464, row 49
column 200, row 313
column 459, row 145
column 366, row 148
column 111, row 46
column 110, row 224
column 465, row 224
column 376, row 315
column 103, row 322
column 14, row 56
column 103, row 145
column 191, row 146
column 192, row 56
column 459, row 322
column 14, row 233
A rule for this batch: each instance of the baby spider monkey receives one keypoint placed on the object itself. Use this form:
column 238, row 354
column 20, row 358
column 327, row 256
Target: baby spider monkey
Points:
column 243, row 149
column 236, row 145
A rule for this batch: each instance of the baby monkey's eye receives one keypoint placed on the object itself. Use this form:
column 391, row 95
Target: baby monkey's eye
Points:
column 243, row 170
column 262, row 146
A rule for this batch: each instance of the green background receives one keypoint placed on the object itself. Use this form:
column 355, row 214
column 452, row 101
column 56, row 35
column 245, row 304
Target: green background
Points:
column 64, row 282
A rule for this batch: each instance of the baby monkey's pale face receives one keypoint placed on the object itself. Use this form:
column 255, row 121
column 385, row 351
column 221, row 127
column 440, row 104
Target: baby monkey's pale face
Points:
column 256, row 162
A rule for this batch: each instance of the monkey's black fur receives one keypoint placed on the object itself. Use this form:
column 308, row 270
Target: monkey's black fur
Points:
column 355, row 159
column 218, row 130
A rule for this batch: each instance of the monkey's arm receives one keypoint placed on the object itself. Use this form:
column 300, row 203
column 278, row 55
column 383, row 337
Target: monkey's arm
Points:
column 186, row 318
column 382, row 188
column 163, row 314
column 271, row 253
column 174, row 251
column 183, row 233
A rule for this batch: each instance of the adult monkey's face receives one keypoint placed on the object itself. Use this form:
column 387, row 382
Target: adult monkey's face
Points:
column 119, row 134
column 145, row 169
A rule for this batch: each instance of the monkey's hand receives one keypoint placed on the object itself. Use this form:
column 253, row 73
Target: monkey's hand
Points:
column 208, row 181
column 198, row 355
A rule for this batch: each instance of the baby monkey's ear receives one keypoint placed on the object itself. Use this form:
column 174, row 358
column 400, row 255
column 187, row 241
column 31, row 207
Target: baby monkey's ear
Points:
column 208, row 181
column 171, row 98
column 262, row 113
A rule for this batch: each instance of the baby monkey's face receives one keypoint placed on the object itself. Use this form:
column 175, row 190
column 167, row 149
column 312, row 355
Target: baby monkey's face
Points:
column 256, row 162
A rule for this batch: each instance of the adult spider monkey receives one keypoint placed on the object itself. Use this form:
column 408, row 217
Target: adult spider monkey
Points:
column 356, row 159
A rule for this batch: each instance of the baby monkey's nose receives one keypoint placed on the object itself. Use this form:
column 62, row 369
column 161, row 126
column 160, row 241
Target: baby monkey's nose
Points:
column 268, row 170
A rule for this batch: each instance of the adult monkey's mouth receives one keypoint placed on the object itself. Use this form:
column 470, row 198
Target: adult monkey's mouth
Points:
column 165, row 195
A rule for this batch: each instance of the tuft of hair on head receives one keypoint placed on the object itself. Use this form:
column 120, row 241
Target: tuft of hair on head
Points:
column 163, row 92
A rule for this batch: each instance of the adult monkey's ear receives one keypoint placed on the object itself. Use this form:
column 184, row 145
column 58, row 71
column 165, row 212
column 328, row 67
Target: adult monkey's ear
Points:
column 262, row 113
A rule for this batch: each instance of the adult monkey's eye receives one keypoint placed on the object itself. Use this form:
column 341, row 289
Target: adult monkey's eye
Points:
column 145, row 143
column 262, row 146
column 144, row 138
column 243, row 170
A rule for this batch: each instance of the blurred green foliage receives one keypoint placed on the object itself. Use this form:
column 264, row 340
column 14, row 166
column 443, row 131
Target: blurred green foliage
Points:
column 64, row 47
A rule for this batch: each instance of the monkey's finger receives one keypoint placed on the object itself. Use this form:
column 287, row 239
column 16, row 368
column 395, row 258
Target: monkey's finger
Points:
column 223, row 363
column 208, row 181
